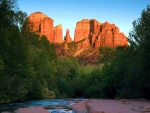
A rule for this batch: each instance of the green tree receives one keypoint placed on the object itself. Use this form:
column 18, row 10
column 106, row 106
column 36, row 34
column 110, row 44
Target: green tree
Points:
column 67, row 72
column 107, row 54
column 15, row 64
column 139, row 40
column 43, row 58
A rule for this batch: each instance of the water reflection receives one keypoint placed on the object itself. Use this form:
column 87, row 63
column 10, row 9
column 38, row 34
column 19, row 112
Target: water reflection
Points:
column 52, row 105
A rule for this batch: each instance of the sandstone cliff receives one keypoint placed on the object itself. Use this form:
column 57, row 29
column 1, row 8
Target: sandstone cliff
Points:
column 46, row 28
column 88, row 32
column 43, row 25
column 88, row 37
column 98, row 35
column 57, row 34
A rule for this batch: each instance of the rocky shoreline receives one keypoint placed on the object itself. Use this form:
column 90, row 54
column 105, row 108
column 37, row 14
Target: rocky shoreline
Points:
column 112, row 106
column 97, row 106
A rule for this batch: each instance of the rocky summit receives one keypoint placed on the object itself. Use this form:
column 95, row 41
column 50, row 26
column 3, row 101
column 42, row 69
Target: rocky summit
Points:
column 88, row 33
column 92, row 32
column 44, row 26
column 98, row 35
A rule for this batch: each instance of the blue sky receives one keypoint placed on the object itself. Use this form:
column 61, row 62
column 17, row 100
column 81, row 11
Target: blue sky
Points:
column 68, row 12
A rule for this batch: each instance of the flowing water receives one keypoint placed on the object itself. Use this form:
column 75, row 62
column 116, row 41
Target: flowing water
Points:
column 52, row 105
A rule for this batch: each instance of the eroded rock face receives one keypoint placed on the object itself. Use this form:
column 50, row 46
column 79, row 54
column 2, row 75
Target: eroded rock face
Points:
column 87, row 32
column 57, row 34
column 99, row 35
column 43, row 25
column 36, row 19
column 46, row 28
column 82, row 30
column 68, row 39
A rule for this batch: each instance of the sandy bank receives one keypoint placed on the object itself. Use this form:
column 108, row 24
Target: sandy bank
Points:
column 112, row 106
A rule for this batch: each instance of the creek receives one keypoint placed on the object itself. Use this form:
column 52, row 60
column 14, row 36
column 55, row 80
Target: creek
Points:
column 52, row 105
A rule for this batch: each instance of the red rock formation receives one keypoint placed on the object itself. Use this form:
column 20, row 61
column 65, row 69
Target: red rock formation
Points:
column 57, row 34
column 82, row 30
column 110, row 36
column 46, row 28
column 36, row 19
column 88, row 32
column 60, row 50
column 99, row 35
column 43, row 25
column 68, row 39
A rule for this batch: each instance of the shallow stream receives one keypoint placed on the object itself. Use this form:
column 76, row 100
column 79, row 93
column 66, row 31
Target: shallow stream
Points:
column 52, row 105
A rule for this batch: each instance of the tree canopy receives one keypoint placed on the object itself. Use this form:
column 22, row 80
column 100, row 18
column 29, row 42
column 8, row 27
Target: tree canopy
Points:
column 31, row 69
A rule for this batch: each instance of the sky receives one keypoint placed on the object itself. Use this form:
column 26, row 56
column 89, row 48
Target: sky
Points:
column 68, row 12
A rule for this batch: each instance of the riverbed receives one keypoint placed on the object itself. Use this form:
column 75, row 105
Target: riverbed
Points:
column 52, row 105
column 81, row 106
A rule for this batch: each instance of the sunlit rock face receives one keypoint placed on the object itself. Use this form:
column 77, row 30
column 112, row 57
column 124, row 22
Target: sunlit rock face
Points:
column 82, row 30
column 43, row 25
column 36, row 18
column 57, row 34
column 87, row 32
column 98, row 34
column 46, row 28
column 68, row 39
